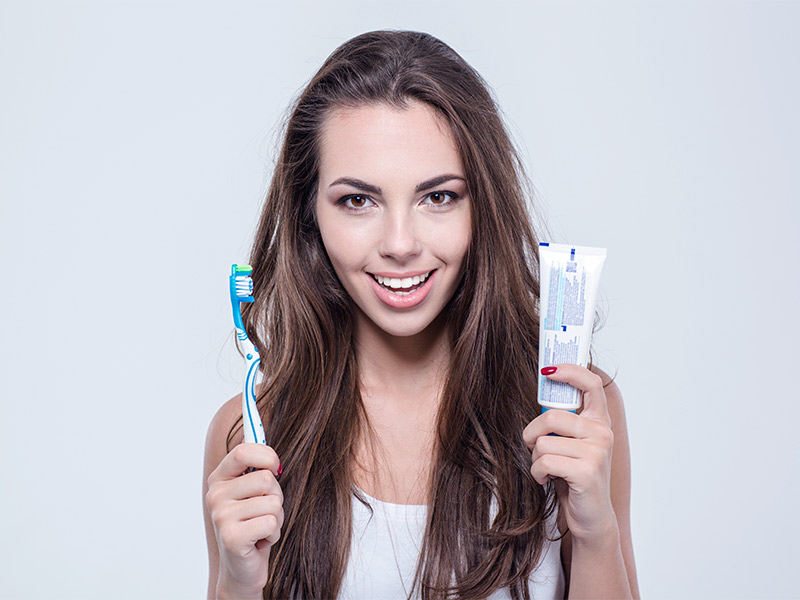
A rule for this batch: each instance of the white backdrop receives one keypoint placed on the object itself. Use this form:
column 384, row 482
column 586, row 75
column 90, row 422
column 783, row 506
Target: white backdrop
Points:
column 135, row 142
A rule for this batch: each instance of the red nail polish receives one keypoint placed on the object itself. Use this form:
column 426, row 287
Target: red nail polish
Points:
column 280, row 469
column 549, row 370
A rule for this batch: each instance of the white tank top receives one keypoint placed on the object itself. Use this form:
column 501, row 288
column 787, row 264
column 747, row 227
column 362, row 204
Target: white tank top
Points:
column 386, row 545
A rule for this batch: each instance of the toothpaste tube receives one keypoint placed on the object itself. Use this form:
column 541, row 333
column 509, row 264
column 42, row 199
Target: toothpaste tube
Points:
column 569, row 279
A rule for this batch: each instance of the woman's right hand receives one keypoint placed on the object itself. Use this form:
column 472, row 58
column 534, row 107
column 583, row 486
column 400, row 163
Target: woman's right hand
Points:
column 246, row 509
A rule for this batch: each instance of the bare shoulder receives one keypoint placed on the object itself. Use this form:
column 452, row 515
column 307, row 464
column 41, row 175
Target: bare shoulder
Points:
column 218, row 431
column 616, row 408
column 621, row 463
column 620, row 474
column 216, row 449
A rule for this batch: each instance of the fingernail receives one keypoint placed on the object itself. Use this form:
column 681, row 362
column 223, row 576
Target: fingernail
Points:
column 280, row 469
column 549, row 370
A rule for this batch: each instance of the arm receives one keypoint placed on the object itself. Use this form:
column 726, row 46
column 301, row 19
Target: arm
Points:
column 620, row 497
column 589, row 461
column 242, row 509
column 214, row 453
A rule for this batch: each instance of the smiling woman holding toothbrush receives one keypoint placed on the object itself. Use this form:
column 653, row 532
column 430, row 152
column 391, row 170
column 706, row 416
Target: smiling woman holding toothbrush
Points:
column 395, row 274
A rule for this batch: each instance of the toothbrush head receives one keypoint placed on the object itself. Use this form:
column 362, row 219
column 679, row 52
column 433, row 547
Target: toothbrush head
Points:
column 241, row 289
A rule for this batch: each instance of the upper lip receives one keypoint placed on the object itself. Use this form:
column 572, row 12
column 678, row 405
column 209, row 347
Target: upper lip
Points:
column 402, row 275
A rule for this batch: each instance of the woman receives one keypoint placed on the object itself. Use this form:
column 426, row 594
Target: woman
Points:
column 395, row 274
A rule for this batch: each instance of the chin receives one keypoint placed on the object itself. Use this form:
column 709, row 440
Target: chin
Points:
column 401, row 326
column 404, row 332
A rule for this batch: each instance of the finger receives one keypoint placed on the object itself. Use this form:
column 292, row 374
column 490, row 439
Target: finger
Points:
column 244, row 456
column 251, row 508
column 562, row 446
column 591, row 384
column 257, row 483
column 560, row 423
column 266, row 527
column 551, row 466
column 231, row 513
column 544, row 424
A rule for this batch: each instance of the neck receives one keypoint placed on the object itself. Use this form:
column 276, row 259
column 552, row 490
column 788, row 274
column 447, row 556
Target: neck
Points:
column 409, row 369
column 401, row 383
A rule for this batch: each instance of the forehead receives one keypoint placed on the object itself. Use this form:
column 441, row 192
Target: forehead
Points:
column 378, row 138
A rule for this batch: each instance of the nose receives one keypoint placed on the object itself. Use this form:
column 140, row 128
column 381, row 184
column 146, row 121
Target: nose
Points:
column 400, row 240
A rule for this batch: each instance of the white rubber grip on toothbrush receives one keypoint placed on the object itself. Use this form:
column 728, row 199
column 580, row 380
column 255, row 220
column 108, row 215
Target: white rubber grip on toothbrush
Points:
column 251, row 421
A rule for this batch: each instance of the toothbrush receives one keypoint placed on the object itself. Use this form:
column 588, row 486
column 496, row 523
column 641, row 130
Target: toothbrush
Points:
column 241, row 287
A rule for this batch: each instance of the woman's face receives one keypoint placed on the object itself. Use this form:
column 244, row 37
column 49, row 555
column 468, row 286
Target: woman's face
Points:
column 393, row 212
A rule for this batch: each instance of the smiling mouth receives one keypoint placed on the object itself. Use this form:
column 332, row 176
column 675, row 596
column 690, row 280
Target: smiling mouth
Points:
column 402, row 287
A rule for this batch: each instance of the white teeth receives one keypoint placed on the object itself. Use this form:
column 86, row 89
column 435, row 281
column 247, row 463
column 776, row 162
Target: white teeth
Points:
column 399, row 284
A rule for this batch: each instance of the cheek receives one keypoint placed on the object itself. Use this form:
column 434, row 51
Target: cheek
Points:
column 457, row 242
column 343, row 245
column 336, row 254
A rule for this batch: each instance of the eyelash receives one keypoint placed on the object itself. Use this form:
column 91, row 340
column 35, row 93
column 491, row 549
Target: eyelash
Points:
column 345, row 199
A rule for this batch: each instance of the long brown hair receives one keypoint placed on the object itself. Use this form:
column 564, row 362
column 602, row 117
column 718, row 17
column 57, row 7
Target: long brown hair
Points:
column 302, row 322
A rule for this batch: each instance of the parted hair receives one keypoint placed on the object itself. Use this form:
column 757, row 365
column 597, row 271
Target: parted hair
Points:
column 487, row 517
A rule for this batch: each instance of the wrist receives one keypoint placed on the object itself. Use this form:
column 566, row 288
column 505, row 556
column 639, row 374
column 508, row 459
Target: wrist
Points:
column 597, row 566
column 227, row 590
column 601, row 539
column 226, row 595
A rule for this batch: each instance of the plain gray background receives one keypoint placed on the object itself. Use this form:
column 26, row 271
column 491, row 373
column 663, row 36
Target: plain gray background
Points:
column 135, row 145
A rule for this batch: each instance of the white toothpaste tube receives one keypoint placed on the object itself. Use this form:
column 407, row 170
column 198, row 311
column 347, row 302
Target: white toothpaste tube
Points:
column 569, row 277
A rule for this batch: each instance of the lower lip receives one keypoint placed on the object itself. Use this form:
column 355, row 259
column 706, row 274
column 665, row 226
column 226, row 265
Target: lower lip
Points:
column 409, row 301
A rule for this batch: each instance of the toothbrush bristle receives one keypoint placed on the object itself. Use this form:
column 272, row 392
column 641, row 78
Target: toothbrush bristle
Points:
column 244, row 286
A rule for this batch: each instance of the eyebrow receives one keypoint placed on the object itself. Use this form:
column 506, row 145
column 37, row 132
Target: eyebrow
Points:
column 372, row 189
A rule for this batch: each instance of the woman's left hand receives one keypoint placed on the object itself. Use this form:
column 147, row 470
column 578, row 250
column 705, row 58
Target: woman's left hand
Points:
column 578, row 457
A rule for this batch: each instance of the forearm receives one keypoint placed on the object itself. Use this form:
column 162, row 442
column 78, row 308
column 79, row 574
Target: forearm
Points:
column 227, row 590
column 597, row 569
column 225, row 596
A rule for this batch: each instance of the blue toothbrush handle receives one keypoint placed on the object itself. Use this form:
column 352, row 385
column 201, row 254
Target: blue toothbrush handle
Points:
column 253, row 428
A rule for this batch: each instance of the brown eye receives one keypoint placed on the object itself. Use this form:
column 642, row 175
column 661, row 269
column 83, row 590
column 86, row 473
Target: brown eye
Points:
column 353, row 202
column 440, row 198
